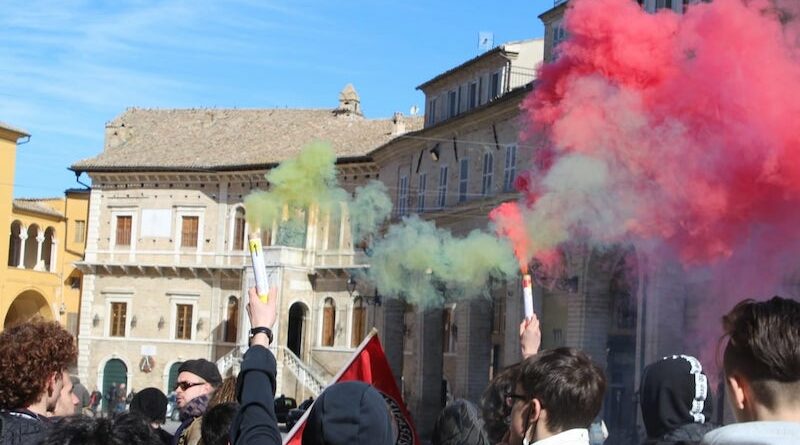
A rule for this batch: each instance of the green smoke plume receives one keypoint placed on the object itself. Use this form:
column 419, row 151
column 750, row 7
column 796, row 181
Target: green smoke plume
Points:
column 310, row 180
column 427, row 266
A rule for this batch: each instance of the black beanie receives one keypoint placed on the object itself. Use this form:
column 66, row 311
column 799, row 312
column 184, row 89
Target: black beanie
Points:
column 347, row 413
column 204, row 369
column 151, row 403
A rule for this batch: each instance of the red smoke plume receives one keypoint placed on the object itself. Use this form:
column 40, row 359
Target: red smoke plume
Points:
column 694, row 117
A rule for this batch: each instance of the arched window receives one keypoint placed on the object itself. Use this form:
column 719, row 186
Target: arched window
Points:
column 47, row 249
column 359, row 321
column 15, row 244
column 239, row 234
column 328, row 322
column 232, row 323
column 32, row 247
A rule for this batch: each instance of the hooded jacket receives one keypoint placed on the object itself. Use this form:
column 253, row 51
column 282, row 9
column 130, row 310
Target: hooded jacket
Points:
column 676, row 401
column 459, row 423
column 349, row 413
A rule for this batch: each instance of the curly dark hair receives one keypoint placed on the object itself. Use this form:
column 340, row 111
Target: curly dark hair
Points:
column 29, row 354
column 125, row 429
column 494, row 409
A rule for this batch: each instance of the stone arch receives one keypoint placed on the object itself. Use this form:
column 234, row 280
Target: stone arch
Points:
column 48, row 249
column 298, row 315
column 27, row 305
column 31, row 247
column 15, row 243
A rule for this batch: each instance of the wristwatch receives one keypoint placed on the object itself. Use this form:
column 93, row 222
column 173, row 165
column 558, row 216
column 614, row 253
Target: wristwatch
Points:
column 262, row 330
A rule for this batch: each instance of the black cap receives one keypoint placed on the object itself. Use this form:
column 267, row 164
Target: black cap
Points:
column 151, row 403
column 204, row 369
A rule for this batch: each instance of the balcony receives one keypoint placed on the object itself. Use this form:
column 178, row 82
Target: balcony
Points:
column 519, row 76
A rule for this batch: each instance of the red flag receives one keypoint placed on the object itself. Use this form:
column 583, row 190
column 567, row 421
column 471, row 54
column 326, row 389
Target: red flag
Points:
column 369, row 365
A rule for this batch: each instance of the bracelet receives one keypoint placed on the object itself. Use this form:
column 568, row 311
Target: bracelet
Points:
column 262, row 330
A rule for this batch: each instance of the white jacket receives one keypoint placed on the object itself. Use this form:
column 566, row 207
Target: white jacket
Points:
column 577, row 436
column 755, row 433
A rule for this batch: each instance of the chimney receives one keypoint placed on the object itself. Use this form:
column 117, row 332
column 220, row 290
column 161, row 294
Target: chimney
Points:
column 398, row 125
column 349, row 102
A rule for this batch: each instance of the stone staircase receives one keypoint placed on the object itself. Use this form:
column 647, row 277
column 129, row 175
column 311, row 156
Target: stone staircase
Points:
column 302, row 372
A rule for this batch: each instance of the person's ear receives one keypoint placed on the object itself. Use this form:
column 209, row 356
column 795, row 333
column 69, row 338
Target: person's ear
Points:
column 536, row 410
column 52, row 379
column 737, row 387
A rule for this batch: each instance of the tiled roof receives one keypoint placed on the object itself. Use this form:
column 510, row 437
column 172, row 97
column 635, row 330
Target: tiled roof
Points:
column 224, row 139
column 35, row 206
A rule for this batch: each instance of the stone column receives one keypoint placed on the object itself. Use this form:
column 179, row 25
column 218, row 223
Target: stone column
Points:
column 53, row 256
column 23, row 237
column 388, row 319
column 39, row 243
column 473, row 358
column 428, row 387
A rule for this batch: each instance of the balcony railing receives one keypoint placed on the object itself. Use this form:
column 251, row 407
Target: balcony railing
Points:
column 519, row 76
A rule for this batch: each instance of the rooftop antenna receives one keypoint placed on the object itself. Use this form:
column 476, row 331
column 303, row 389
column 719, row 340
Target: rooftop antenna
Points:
column 485, row 41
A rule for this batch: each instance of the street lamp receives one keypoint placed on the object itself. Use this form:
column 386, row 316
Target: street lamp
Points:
column 372, row 300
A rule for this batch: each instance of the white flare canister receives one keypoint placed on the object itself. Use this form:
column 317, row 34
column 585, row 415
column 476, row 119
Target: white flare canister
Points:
column 527, row 295
column 259, row 268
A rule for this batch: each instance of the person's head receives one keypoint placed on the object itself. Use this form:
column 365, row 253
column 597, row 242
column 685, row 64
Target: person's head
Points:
column 495, row 410
column 151, row 404
column 459, row 424
column 125, row 429
column 347, row 413
column 217, row 423
column 762, row 359
column 196, row 378
column 674, row 392
column 33, row 359
column 557, row 390
column 67, row 400
column 226, row 392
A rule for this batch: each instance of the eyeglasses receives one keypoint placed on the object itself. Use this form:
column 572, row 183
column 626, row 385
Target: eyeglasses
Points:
column 186, row 385
column 511, row 398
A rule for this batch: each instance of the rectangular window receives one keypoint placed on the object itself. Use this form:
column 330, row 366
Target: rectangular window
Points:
column 510, row 170
column 80, row 231
column 473, row 95
column 463, row 177
column 402, row 196
column 480, row 91
column 494, row 86
column 488, row 173
column 119, row 314
column 432, row 112
column 124, row 223
column 423, row 182
column 189, row 226
column 442, row 192
column 183, row 322
column 452, row 104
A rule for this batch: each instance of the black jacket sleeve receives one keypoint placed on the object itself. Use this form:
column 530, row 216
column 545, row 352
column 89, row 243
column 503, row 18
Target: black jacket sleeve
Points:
column 255, row 423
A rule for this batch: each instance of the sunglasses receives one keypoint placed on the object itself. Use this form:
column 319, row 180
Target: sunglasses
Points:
column 511, row 398
column 186, row 385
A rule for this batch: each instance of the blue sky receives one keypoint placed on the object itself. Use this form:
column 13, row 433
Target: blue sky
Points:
column 69, row 66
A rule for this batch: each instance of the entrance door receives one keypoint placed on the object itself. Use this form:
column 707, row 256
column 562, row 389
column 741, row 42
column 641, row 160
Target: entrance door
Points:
column 114, row 373
column 297, row 315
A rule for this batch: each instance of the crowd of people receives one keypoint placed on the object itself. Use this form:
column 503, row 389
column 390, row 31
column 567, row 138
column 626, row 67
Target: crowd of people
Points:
column 552, row 397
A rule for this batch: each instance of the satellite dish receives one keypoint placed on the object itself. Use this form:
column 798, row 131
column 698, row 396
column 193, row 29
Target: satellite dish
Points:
column 414, row 110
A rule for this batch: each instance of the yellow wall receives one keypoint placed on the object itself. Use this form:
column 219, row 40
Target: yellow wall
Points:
column 52, row 293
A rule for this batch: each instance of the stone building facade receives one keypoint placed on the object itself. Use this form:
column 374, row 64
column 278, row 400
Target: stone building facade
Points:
column 166, row 265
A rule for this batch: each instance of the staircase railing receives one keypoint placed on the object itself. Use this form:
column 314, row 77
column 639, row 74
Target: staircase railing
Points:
column 302, row 372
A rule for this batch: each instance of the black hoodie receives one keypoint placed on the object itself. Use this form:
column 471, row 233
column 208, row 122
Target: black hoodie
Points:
column 676, row 401
column 349, row 413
